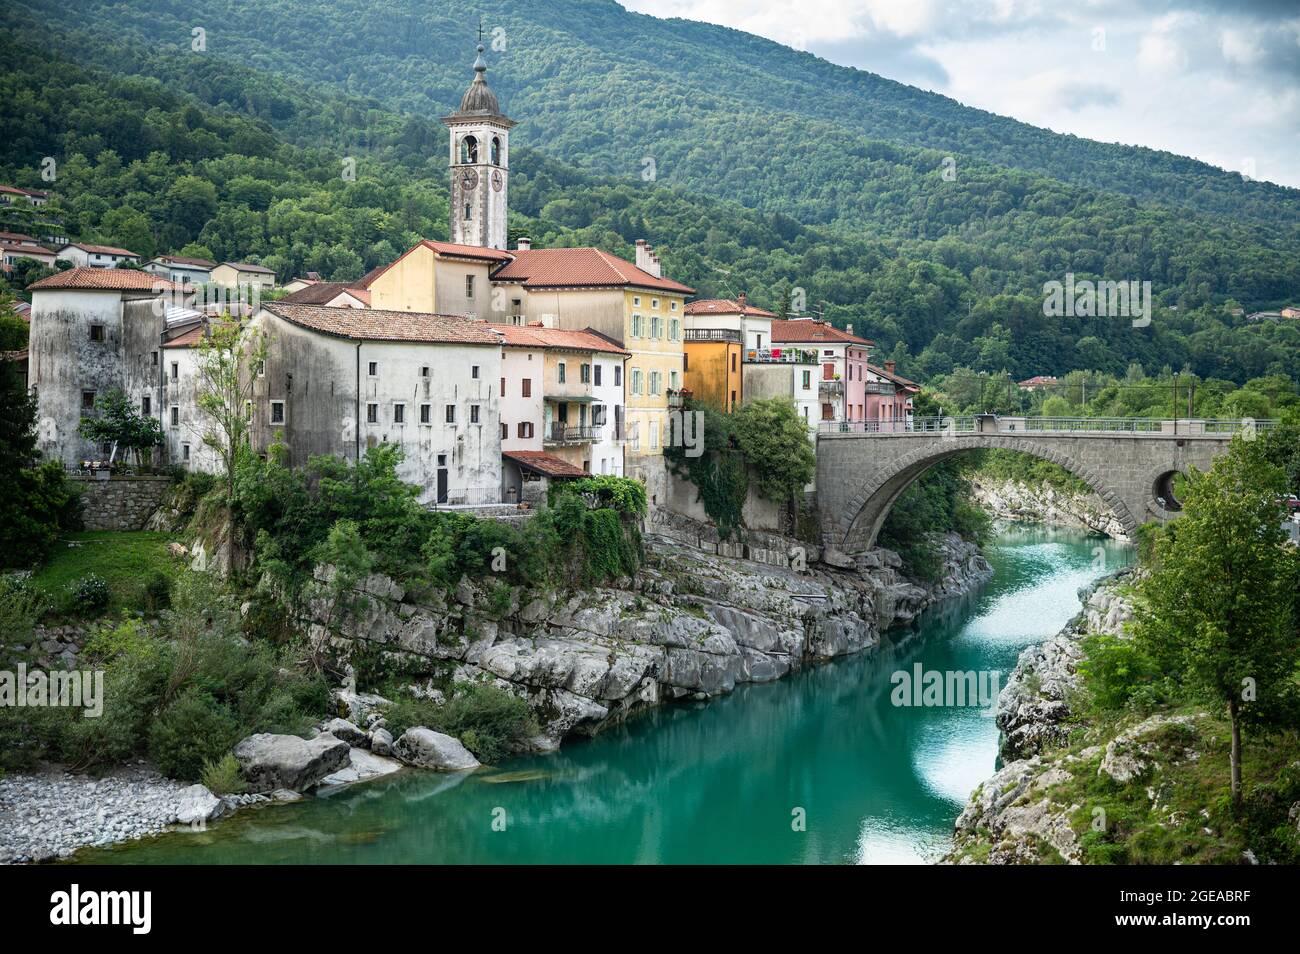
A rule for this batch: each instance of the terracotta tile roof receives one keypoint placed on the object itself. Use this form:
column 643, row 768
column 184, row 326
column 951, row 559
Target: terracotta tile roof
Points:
column 365, row 280
column 548, row 465
column 108, row 279
column 322, row 293
column 724, row 306
column 367, row 324
column 535, row 336
column 810, row 330
column 104, row 249
column 1037, row 379
column 580, row 268
column 891, row 376
column 182, row 260
column 467, row 251
column 16, row 190
column 17, row 238
column 187, row 340
column 23, row 310
column 28, row 250
column 249, row 267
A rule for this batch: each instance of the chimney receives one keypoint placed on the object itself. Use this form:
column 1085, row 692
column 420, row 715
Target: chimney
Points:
column 524, row 243
column 742, row 299
column 849, row 328
column 889, row 366
column 647, row 260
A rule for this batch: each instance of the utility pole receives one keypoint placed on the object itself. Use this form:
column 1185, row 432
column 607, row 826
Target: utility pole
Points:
column 1175, row 402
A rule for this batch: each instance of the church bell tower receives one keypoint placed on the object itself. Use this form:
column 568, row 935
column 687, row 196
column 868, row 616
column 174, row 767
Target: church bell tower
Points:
column 480, row 165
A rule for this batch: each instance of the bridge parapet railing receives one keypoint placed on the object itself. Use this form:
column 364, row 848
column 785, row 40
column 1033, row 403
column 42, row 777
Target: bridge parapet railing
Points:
column 989, row 424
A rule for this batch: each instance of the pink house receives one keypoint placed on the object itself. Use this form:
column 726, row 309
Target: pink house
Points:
column 889, row 398
column 844, row 369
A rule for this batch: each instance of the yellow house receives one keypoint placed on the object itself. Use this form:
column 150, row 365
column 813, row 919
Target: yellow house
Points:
column 630, row 304
column 439, row 278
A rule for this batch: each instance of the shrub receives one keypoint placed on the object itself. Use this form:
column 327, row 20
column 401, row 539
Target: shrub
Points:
column 157, row 595
column 490, row 722
column 1114, row 668
column 223, row 776
column 192, row 731
column 21, row 605
column 89, row 595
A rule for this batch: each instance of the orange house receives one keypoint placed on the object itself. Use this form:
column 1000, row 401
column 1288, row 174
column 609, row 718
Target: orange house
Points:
column 711, row 367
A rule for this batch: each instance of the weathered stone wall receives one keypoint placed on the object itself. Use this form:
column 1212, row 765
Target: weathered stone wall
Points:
column 121, row 503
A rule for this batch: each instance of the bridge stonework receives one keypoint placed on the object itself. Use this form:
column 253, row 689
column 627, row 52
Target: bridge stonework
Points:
column 861, row 475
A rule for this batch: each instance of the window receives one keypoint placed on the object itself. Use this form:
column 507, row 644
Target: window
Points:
column 467, row 215
column 502, row 392
column 654, row 302
column 468, row 150
column 733, row 362
column 185, row 452
column 153, row 358
column 424, row 371
column 146, row 405
column 686, row 363
column 807, row 380
column 496, row 150
column 598, row 415
column 87, row 400
column 469, row 286
column 372, row 413
column 426, row 412
column 505, row 431
column 597, row 372
column 584, row 373
column 655, row 325
column 525, row 429
column 673, row 306
column 636, row 301
column 526, row 387
column 399, row 412
column 372, row 369
column 277, row 412
column 96, row 332
column 560, row 372
column 636, row 325
column 176, row 415
column 636, row 380
column 176, row 371
column 654, row 435
column 618, row 375
column 261, row 369
column 674, row 329
column 473, row 413
column 451, row 414
column 672, row 380
column 473, row 371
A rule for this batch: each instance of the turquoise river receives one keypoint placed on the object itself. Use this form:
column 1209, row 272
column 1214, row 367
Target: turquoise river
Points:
column 722, row 782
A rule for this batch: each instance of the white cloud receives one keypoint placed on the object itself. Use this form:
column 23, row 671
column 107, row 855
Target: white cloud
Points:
column 1213, row 79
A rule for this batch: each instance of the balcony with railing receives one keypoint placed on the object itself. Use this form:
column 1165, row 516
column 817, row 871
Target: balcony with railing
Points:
column 832, row 387
column 732, row 335
column 879, row 387
column 561, row 433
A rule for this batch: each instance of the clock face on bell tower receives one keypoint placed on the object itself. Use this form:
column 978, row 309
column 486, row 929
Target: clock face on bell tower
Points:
column 480, row 165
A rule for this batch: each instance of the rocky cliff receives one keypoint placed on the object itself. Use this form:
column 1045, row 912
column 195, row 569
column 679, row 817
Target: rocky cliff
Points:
column 1018, row 501
column 691, row 624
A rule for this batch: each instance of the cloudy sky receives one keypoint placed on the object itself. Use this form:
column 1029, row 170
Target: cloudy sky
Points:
column 1215, row 79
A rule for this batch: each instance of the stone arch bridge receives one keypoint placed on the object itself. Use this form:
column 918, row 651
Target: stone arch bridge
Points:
column 1130, row 464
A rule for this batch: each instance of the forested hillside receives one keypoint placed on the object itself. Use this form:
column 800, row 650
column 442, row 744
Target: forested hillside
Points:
column 236, row 152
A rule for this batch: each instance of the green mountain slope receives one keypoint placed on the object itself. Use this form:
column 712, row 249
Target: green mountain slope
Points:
column 605, row 89
column 163, row 149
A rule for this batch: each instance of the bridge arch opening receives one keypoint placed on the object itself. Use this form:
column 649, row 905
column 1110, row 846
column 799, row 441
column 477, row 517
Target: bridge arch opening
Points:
column 1164, row 491
column 871, row 505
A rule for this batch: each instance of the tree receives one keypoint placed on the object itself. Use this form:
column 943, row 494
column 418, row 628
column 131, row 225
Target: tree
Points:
column 120, row 424
column 774, row 439
column 37, row 501
column 227, row 358
column 1218, row 610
